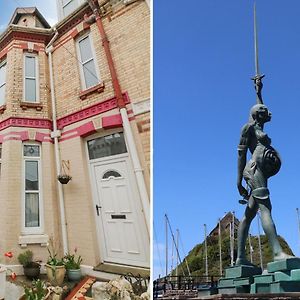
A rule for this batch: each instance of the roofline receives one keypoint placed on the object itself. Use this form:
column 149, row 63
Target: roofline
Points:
column 36, row 12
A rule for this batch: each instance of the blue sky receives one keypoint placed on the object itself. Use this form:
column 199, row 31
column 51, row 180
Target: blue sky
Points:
column 203, row 61
column 47, row 9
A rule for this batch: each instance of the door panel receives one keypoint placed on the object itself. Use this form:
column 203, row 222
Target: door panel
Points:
column 124, row 234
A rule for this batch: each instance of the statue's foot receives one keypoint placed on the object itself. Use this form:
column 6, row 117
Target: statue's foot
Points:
column 243, row 261
column 282, row 255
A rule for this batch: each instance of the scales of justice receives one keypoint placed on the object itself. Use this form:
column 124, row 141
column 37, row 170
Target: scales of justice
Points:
column 283, row 274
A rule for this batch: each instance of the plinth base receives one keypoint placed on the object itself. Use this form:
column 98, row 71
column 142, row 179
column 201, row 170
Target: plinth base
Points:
column 242, row 271
column 284, row 265
column 281, row 296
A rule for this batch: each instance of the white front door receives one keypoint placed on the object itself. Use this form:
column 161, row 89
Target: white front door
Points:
column 122, row 229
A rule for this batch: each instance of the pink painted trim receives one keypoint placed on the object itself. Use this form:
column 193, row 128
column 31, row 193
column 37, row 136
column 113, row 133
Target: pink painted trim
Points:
column 113, row 121
column 24, row 136
column 42, row 137
column 86, row 129
column 26, row 122
column 90, row 111
column 14, row 136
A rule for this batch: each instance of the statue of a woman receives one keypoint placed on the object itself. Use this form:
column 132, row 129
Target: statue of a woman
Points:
column 265, row 162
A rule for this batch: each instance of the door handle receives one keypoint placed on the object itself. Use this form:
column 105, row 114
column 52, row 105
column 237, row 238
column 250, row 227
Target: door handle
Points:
column 97, row 209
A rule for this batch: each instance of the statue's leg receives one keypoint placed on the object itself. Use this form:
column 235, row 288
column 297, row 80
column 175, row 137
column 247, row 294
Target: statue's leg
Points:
column 270, row 229
column 243, row 231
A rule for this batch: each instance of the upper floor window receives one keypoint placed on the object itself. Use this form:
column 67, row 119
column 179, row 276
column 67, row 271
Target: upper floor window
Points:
column 66, row 7
column 88, row 70
column 2, row 82
column 69, row 6
column 31, row 91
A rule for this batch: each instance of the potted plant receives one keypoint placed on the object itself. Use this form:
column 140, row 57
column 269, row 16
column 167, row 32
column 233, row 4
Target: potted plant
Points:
column 55, row 267
column 72, row 264
column 31, row 268
column 63, row 178
column 38, row 291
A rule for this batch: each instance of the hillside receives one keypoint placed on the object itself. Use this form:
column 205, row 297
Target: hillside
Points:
column 196, row 257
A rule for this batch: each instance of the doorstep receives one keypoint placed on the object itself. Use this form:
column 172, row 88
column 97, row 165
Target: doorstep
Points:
column 117, row 269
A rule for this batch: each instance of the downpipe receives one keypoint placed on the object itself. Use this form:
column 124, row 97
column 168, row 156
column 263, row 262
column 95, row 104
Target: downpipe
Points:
column 55, row 135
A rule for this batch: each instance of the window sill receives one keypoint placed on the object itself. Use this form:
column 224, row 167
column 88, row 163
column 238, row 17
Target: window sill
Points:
column 41, row 239
column 2, row 108
column 99, row 88
column 37, row 106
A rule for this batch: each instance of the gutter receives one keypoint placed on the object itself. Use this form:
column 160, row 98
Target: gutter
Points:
column 55, row 134
column 138, row 171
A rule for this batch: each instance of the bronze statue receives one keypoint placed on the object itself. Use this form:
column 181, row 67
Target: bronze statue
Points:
column 265, row 162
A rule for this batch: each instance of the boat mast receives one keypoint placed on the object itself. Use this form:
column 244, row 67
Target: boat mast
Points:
column 166, row 228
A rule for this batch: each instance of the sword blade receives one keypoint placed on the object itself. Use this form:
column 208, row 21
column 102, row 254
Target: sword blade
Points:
column 255, row 43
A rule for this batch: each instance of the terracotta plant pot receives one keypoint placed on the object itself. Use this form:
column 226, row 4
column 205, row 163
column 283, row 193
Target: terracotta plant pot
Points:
column 32, row 270
column 55, row 274
column 74, row 274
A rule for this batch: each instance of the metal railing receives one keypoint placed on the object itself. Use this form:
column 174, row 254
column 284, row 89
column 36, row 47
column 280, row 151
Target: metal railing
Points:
column 162, row 286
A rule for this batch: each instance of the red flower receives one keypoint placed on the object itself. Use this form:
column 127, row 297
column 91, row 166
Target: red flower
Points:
column 13, row 275
column 8, row 254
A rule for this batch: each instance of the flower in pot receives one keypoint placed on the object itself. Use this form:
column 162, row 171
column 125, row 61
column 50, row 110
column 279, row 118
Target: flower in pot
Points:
column 72, row 264
column 38, row 291
column 55, row 267
column 31, row 268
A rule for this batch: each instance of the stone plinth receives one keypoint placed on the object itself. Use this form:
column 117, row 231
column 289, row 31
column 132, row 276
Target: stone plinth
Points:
column 259, row 296
column 284, row 265
column 241, row 271
column 237, row 279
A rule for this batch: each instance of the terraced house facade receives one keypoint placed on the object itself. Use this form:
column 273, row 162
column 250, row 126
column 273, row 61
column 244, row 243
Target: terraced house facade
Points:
column 75, row 101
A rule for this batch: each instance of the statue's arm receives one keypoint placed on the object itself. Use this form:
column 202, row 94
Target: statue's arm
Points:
column 242, row 158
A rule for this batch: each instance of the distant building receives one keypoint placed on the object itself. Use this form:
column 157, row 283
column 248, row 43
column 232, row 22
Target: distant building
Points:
column 75, row 100
column 225, row 223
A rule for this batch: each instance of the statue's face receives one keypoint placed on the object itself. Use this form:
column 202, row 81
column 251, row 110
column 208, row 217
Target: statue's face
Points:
column 261, row 113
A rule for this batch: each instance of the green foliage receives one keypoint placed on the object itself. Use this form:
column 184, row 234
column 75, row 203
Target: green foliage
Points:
column 37, row 292
column 25, row 258
column 196, row 257
column 52, row 259
column 71, row 262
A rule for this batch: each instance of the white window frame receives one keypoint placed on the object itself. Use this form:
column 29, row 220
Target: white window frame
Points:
column 37, row 76
column 40, row 229
column 3, row 85
column 82, row 78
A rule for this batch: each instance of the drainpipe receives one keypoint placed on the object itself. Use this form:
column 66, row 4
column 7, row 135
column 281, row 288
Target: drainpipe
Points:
column 55, row 134
column 125, row 120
